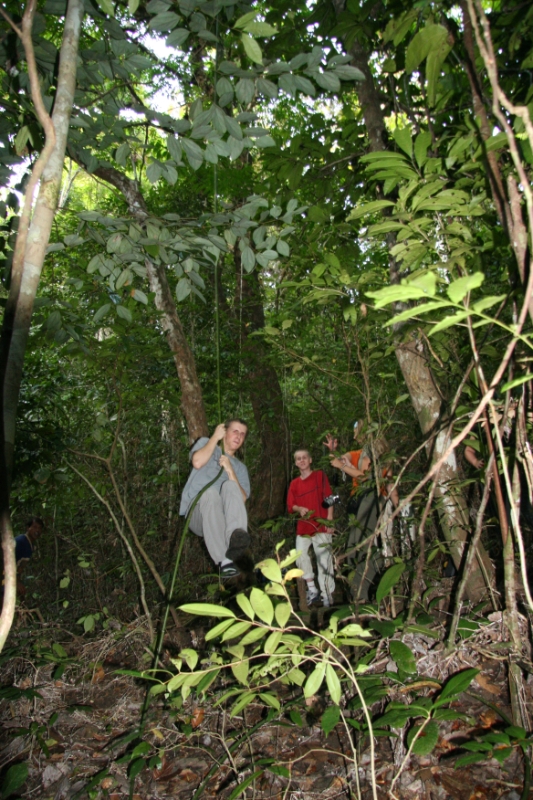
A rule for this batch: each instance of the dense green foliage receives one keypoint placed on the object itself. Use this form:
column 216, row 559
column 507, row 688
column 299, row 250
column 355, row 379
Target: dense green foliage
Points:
column 322, row 187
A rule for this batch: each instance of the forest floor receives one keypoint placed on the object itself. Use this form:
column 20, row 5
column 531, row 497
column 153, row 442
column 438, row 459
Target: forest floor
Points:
column 71, row 718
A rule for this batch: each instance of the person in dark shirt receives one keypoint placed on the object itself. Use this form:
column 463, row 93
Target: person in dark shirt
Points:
column 24, row 545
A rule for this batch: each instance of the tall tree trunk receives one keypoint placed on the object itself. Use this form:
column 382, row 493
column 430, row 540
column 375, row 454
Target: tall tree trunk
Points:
column 25, row 281
column 28, row 260
column 416, row 371
column 262, row 383
column 192, row 402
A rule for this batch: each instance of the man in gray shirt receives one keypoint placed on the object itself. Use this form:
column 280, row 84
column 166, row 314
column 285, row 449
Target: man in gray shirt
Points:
column 220, row 514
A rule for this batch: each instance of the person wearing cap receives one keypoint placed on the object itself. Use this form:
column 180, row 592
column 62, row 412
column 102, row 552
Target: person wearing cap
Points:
column 366, row 505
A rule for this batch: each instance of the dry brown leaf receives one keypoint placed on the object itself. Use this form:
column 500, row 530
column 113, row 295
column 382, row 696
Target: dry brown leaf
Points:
column 188, row 775
column 486, row 684
column 107, row 783
column 444, row 744
column 488, row 718
column 197, row 717
column 420, row 685
column 166, row 771
column 99, row 675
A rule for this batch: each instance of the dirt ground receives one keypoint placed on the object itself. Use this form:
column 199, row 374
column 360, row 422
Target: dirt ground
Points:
column 68, row 714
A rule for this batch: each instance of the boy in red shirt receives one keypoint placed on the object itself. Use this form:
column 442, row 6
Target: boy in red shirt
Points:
column 306, row 496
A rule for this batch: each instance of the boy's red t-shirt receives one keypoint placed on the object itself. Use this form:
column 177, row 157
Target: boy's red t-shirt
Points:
column 309, row 492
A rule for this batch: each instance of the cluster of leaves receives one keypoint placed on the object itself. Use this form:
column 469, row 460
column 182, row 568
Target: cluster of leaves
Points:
column 269, row 643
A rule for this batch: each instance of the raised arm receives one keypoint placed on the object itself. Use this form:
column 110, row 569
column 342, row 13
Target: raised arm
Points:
column 201, row 457
column 344, row 463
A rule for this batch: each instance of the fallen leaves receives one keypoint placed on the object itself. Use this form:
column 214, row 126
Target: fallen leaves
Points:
column 197, row 717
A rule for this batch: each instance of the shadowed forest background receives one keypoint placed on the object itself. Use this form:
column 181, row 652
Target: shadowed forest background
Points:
column 300, row 214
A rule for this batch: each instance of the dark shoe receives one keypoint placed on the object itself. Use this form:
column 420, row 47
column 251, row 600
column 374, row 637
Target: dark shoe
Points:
column 228, row 571
column 313, row 599
column 238, row 543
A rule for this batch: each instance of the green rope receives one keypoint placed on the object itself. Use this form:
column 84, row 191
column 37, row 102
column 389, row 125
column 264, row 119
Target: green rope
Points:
column 215, row 210
column 170, row 593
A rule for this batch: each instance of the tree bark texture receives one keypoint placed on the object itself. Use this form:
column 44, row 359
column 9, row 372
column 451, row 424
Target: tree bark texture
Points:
column 192, row 402
column 508, row 206
column 41, row 223
column 28, row 260
column 262, row 383
column 414, row 365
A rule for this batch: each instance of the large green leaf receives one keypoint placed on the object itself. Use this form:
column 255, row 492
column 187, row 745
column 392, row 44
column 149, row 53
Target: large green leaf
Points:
column 271, row 644
column 403, row 656
column 333, row 684
column 252, row 49
column 457, row 684
column 409, row 313
column 235, row 630
column 260, row 29
column 283, row 612
column 428, row 39
column 314, row 681
column 330, row 718
column 14, row 778
column 389, row 580
column 262, row 605
column 402, row 137
column 328, row 81
column 245, row 605
column 245, row 91
column 270, row 569
column 219, row 629
column 241, row 787
column 206, row 610
column 426, row 740
column 240, row 671
column 165, row 21
column 458, row 290
column 369, row 208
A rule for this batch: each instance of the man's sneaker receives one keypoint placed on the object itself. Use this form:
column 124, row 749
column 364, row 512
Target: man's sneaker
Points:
column 313, row 598
column 228, row 571
column 238, row 543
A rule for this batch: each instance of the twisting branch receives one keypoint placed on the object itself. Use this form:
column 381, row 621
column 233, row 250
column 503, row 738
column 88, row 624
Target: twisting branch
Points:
column 518, row 235
column 125, row 541
column 10, row 568
column 107, row 462
column 36, row 174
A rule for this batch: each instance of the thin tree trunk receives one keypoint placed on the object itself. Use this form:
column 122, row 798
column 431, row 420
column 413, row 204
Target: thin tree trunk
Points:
column 24, row 287
column 416, row 371
column 192, row 402
column 28, row 260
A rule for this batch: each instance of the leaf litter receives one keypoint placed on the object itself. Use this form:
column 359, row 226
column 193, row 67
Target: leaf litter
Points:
column 72, row 721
